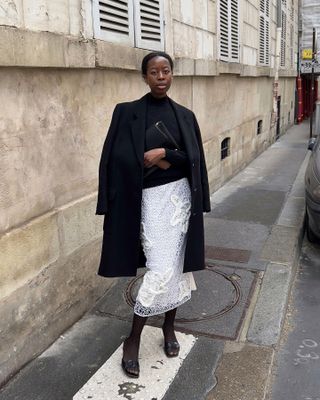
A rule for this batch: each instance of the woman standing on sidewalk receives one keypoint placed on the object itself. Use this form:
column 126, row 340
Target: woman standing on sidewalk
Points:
column 153, row 190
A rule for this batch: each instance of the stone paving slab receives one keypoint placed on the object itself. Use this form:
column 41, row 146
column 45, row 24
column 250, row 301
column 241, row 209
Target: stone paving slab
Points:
column 67, row 365
column 196, row 377
column 239, row 235
column 281, row 245
column 262, row 206
column 242, row 373
column 269, row 312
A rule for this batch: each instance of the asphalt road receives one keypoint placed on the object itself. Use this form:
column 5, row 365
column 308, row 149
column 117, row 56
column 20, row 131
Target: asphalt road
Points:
column 297, row 376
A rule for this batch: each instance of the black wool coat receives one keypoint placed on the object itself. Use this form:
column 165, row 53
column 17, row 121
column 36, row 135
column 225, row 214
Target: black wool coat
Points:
column 120, row 189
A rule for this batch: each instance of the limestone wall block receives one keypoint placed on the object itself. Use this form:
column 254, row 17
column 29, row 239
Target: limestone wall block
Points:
column 27, row 250
column 44, row 15
column 184, row 40
column 21, row 48
column 249, row 55
column 64, row 116
column 251, row 14
column 186, row 11
column 250, row 36
column 86, row 15
column 80, row 54
column 11, row 13
column 176, row 9
column 36, row 313
column 78, row 224
column 200, row 12
column 212, row 16
column 181, row 91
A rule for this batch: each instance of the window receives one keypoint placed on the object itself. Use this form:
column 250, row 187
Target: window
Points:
column 229, row 30
column 225, row 148
column 259, row 127
column 131, row 22
column 283, row 34
column 264, row 34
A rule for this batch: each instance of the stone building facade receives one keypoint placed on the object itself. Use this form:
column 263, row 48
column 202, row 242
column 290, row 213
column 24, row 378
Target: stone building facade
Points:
column 64, row 65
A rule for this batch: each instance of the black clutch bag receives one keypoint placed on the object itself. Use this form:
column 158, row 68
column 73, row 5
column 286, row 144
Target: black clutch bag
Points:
column 157, row 136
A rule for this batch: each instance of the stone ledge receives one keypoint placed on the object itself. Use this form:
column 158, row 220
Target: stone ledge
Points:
column 23, row 48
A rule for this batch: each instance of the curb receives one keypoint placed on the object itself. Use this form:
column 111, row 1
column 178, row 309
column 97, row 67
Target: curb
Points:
column 281, row 251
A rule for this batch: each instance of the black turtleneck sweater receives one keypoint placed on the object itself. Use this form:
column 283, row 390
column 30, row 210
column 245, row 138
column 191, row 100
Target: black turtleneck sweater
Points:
column 161, row 110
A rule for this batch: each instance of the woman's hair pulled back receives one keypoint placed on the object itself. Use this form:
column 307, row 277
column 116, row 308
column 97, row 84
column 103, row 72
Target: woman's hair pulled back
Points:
column 150, row 56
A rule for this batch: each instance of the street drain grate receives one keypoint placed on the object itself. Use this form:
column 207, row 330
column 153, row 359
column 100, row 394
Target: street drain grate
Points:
column 216, row 309
column 227, row 254
column 232, row 280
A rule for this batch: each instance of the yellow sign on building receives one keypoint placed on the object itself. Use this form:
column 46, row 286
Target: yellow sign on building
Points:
column 307, row 54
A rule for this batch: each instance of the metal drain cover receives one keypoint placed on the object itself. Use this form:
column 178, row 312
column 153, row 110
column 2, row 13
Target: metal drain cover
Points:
column 216, row 308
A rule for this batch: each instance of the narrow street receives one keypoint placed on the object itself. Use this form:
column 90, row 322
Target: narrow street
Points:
column 229, row 331
column 298, row 361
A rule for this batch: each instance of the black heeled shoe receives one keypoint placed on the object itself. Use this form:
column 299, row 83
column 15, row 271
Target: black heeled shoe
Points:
column 131, row 365
column 171, row 349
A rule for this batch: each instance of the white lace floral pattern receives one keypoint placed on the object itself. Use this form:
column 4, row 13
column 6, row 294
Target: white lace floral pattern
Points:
column 154, row 283
column 182, row 213
column 165, row 213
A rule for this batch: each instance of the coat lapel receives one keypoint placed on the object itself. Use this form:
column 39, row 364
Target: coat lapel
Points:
column 138, row 127
column 186, row 130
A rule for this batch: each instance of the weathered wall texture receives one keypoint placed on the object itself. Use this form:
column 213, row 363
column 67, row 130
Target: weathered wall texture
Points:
column 58, row 88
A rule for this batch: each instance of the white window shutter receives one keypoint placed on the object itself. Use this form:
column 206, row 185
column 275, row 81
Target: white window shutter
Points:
column 283, row 39
column 234, row 25
column 264, row 32
column 224, row 30
column 113, row 21
column 149, row 24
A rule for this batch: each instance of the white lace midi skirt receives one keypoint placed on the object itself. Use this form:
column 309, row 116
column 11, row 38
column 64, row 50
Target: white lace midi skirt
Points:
column 164, row 224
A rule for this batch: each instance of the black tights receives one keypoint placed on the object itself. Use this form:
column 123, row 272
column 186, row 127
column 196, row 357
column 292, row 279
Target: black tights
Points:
column 132, row 343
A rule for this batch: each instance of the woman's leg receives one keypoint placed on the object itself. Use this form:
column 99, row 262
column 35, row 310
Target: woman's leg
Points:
column 132, row 343
column 171, row 344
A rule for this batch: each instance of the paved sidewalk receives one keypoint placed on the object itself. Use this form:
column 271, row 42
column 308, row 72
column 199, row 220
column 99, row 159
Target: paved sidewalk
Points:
column 229, row 331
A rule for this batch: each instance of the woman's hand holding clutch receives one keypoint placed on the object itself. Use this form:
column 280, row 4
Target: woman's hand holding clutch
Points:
column 155, row 157
column 163, row 164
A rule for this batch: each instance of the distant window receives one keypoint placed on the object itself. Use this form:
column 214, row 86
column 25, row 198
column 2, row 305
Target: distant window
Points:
column 259, row 127
column 289, row 117
column 225, row 148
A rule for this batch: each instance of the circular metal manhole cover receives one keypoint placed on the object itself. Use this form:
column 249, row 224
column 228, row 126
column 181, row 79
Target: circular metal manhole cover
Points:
column 227, row 288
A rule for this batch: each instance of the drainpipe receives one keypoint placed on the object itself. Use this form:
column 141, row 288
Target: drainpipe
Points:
column 277, row 66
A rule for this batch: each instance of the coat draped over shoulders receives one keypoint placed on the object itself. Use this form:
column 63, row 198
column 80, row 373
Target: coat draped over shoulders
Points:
column 121, row 183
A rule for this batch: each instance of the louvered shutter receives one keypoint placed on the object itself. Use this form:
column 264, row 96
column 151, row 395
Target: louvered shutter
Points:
column 113, row 21
column 224, row 30
column 234, row 25
column 264, row 34
column 291, row 46
column 283, row 39
column 149, row 24
column 229, row 30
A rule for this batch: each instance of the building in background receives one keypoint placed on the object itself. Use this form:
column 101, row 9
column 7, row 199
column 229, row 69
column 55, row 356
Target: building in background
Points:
column 64, row 66
column 309, row 19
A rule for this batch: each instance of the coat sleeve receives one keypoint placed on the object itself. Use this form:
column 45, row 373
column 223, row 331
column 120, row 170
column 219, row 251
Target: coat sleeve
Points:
column 203, row 170
column 102, row 190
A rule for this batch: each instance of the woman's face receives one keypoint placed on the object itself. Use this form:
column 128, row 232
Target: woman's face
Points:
column 159, row 76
